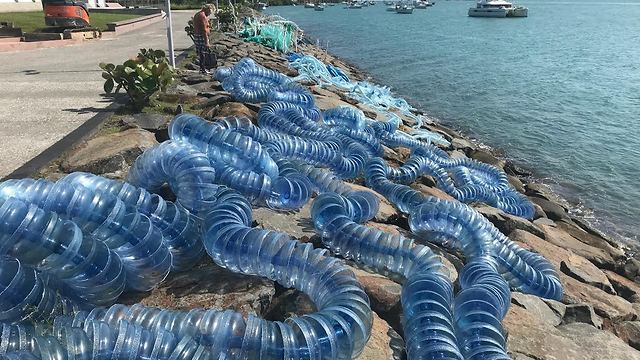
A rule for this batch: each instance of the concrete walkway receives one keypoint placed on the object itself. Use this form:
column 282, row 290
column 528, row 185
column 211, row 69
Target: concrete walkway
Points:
column 47, row 93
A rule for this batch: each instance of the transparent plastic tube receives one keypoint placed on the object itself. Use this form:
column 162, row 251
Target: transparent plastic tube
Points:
column 457, row 225
column 99, row 340
column 186, row 170
column 494, row 191
column 250, row 82
column 427, row 294
column 242, row 163
column 130, row 234
column 179, row 229
column 26, row 295
column 292, row 93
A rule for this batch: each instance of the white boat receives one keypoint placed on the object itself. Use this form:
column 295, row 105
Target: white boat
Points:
column 372, row 3
column 319, row 7
column 391, row 8
column 497, row 9
column 354, row 5
column 419, row 4
column 404, row 9
column 309, row 5
column 261, row 6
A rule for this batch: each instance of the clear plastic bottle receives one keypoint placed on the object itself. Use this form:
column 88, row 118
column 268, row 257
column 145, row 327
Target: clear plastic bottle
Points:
column 179, row 229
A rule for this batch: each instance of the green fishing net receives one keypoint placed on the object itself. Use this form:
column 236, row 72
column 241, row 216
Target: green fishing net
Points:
column 273, row 32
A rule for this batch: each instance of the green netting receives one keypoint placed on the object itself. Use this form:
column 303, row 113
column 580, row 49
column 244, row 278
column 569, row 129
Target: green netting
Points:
column 273, row 32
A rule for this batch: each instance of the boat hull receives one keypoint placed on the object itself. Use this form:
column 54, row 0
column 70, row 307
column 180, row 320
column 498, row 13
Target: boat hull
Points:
column 518, row 12
column 493, row 13
column 405, row 11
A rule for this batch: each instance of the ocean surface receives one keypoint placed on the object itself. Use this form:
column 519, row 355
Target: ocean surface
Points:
column 558, row 92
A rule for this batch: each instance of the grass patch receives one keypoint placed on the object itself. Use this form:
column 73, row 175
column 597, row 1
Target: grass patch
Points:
column 34, row 20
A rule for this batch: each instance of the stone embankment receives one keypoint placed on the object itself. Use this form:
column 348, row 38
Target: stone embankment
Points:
column 598, row 317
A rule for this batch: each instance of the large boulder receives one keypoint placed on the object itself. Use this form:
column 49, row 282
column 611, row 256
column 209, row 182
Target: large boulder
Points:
column 297, row 224
column 582, row 269
column 630, row 290
column 605, row 305
column 629, row 332
column 557, row 236
column 537, row 307
column 582, row 313
column 598, row 344
column 211, row 287
column 507, row 223
column 109, row 153
column 384, row 343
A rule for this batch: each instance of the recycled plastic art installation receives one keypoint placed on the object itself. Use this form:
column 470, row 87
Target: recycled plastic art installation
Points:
column 71, row 247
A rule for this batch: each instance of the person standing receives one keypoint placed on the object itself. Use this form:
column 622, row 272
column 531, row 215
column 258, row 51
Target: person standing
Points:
column 201, row 31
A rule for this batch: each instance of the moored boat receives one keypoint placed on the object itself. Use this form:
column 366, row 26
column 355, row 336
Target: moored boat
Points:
column 497, row 9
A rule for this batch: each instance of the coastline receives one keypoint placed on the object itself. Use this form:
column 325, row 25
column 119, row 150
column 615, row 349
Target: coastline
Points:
column 526, row 174
column 595, row 318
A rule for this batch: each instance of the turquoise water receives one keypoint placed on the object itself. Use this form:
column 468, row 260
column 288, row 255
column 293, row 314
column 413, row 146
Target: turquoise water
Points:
column 558, row 92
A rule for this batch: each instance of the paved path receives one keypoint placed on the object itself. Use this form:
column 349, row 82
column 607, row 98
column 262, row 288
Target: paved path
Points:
column 47, row 93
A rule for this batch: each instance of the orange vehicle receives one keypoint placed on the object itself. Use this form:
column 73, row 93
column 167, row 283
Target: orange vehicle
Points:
column 66, row 13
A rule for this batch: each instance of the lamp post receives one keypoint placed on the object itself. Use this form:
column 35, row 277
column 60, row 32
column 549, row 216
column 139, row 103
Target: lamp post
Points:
column 172, row 55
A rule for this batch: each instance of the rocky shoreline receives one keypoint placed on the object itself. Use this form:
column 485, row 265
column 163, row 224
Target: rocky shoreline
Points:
column 598, row 317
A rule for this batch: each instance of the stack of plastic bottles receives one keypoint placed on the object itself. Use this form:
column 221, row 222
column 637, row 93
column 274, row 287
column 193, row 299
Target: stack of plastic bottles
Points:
column 73, row 246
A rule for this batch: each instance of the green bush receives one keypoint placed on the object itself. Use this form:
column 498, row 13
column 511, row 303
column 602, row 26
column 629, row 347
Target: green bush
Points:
column 140, row 77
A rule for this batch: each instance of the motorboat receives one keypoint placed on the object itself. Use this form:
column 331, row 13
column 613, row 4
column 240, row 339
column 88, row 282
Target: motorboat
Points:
column 354, row 5
column 261, row 6
column 319, row 7
column 391, row 8
column 372, row 3
column 419, row 4
column 497, row 9
column 404, row 9
column 309, row 5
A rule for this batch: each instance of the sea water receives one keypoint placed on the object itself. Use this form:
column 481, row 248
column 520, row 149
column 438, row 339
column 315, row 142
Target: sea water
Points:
column 557, row 92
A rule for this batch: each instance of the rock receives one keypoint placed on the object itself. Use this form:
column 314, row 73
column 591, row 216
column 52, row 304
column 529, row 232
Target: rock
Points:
column 631, row 269
column 236, row 109
column 109, row 153
column 582, row 313
column 605, row 305
column 591, row 239
column 557, row 236
column 386, row 212
column 536, row 307
column 624, row 287
column 557, row 307
column 218, row 99
column 629, row 332
column 551, row 209
column 507, row 223
column 328, row 102
column 541, row 191
column 432, row 191
column 192, row 66
column 515, row 170
column 196, row 79
column 384, row 295
column 296, row 224
column 212, row 287
column 463, row 144
column 179, row 94
column 551, row 252
column 485, row 157
column 287, row 303
column 581, row 269
column 384, row 343
column 538, row 212
column 516, row 183
column 457, row 154
column 148, row 121
column 532, row 337
column 597, row 344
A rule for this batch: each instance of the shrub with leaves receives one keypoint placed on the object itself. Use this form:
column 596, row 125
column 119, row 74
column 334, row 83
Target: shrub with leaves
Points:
column 140, row 77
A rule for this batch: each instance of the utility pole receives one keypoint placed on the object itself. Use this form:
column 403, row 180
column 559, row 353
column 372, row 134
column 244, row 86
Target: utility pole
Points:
column 172, row 55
